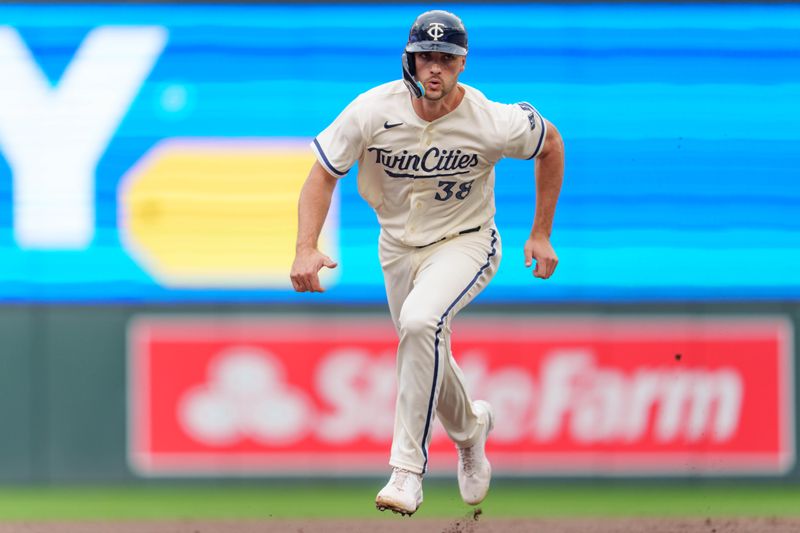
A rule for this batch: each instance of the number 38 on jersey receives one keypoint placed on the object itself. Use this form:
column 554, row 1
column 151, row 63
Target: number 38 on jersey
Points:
column 453, row 189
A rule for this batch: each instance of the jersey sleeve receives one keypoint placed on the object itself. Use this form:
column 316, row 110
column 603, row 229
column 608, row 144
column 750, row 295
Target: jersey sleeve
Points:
column 339, row 146
column 526, row 132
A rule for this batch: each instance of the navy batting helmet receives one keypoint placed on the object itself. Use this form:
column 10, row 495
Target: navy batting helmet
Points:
column 438, row 31
column 433, row 31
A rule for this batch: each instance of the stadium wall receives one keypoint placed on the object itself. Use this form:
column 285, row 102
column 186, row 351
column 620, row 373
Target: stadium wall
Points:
column 76, row 379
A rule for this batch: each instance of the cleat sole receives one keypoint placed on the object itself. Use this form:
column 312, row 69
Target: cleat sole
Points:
column 401, row 512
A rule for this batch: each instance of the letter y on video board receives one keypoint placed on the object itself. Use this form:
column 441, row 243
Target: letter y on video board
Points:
column 53, row 136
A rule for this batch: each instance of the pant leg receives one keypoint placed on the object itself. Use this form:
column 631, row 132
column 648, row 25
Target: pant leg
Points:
column 454, row 404
column 399, row 264
column 449, row 276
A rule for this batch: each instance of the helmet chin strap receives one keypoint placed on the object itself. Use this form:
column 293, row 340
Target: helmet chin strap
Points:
column 416, row 89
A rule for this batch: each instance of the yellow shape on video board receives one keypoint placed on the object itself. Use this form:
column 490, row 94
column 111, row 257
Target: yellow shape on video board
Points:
column 219, row 212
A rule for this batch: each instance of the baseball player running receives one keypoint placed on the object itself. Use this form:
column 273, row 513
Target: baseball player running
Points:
column 426, row 166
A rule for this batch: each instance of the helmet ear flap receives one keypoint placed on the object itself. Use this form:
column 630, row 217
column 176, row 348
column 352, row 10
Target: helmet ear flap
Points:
column 409, row 69
column 410, row 64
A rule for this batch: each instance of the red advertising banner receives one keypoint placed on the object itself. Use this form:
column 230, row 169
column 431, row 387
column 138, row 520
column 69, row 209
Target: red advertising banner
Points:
column 577, row 395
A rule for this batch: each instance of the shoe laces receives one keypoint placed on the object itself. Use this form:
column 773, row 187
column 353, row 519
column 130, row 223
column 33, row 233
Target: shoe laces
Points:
column 467, row 459
column 400, row 477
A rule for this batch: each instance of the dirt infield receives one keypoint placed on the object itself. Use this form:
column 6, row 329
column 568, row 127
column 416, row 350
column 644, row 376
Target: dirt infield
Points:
column 466, row 524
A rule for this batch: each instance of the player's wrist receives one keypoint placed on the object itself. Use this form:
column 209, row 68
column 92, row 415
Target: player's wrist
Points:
column 301, row 248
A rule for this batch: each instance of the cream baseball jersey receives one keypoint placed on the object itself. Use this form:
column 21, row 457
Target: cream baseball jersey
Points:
column 428, row 180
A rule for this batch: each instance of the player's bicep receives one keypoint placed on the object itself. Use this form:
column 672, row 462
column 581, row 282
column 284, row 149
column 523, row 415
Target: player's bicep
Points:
column 321, row 175
column 553, row 143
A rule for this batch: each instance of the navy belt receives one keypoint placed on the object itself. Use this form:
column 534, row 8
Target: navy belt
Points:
column 463, row 232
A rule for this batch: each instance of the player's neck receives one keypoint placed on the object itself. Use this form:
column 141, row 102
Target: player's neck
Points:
column 431, row 110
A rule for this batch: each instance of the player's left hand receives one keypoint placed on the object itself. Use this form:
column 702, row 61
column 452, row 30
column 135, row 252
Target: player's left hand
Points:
column 538, row 248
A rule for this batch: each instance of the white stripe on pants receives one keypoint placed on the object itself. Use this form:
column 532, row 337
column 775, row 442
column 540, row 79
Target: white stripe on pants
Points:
column 425, row 288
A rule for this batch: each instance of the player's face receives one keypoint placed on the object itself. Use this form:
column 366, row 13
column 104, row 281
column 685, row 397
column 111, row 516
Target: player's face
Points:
column 438, row 72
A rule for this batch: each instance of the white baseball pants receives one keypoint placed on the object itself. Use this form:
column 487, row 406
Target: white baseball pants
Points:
column 426, row 287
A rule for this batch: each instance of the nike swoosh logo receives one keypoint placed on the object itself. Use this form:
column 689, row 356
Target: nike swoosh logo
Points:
column 390, row 126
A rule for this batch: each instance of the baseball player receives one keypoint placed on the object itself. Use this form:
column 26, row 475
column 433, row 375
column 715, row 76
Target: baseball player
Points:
column 426, row 149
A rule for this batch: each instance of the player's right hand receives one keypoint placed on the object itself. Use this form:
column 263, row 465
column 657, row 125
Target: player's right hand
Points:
column 306, row 267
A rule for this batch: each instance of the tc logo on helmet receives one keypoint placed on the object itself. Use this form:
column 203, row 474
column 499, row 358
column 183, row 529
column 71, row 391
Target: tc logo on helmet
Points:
column 436, row 30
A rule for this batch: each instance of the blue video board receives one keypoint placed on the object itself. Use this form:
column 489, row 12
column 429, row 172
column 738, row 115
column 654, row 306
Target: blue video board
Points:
column 153, row 153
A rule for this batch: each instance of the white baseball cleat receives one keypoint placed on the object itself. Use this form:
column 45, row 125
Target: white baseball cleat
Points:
column 403, row 493
column 474, row 470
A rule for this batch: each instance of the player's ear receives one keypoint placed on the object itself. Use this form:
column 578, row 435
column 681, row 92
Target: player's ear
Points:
column 463, row 63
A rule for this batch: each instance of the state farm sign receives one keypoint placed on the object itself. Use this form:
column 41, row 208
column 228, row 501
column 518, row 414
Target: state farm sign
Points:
column 575, row 395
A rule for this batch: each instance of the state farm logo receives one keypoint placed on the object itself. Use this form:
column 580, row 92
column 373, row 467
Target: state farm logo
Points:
column 272, row 396
column 246, row 395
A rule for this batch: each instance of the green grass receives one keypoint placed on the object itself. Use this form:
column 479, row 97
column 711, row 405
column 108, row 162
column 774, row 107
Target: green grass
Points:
column 354, row 500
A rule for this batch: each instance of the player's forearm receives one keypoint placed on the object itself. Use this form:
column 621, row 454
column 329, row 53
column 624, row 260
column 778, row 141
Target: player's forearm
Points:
column 313, row 206
column 549, row 170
